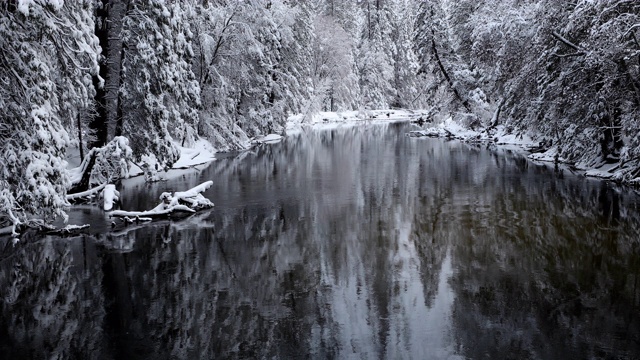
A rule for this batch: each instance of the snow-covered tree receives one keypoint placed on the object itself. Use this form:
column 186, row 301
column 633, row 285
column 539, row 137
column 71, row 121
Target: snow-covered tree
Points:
column 435, row 47
column 253, row 67
column 49, row 55
column 406, row 84
column 335, row 80
column 160, row 93
column 567, row 73
column 375, row 55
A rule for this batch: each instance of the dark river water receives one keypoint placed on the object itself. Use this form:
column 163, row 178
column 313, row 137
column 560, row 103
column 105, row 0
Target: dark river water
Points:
column 357, row 243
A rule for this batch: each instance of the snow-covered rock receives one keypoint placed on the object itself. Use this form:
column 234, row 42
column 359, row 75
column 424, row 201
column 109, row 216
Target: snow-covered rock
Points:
column 268, row 139
column 110, row 195
column 202, row 152
column 430, row 132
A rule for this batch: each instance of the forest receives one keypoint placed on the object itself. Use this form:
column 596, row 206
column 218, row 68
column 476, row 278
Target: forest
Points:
column 132, row 80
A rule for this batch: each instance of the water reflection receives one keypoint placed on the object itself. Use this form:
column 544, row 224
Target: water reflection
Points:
column 353, row 243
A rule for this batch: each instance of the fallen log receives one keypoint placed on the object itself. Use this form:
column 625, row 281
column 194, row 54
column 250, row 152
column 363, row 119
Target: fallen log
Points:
column 85, row 195
column 180, row 202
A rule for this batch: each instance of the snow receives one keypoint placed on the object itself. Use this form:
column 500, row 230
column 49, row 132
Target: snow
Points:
column 110, row 195
column 269, row 139
column 524, row 143
column 23, row 6
column 332, row 120
column 201, row 152
column 86, row 194
column 551, row 155
column 603, row 172
column 157, row 211
column 597, row 173
column 71, row 227
column 195, row 191
column 75, row 174
column 430, row 132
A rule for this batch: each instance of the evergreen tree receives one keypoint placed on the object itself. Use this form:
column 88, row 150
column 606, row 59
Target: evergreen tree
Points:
column 49, row 57
column 160, row 93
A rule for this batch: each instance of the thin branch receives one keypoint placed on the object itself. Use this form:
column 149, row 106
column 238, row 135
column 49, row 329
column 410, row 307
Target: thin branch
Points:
column 567, row 42
column 568, row 55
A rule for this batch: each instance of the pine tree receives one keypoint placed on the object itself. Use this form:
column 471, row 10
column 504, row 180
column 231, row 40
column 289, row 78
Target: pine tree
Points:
column 160, row 94
column 49, row 57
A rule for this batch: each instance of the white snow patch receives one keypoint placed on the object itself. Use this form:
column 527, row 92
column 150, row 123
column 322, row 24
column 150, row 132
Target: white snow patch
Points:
column 331, row 120
column 430, row 132
column 75, row 174
column 269, row 139
column 550, row 155
column 504, row 138
column 603, row 172
column 110, row 195
column 72, row 228
column 202, row 152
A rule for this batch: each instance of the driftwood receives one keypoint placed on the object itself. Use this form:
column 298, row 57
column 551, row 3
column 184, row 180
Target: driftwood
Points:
column 180, row 202
column 39, row 227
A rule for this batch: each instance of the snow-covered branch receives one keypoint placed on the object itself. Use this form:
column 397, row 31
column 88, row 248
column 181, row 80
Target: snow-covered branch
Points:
column 83, row 195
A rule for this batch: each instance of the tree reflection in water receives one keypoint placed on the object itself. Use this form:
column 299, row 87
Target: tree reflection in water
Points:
column 357, row 241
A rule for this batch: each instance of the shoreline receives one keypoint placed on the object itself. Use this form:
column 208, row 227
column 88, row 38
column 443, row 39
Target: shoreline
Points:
column 524, row 144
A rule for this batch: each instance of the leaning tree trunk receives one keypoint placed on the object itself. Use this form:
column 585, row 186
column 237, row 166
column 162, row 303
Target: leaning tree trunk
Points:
column 434, row 48
column 87, row 167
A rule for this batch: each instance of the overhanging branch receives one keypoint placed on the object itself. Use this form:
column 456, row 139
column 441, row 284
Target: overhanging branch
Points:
column 563, row 40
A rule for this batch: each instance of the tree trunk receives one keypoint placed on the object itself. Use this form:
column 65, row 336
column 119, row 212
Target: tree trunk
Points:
column 99, row 121
column 465, row 103
column 80, row 143
column 117, row 13
column 87, row 167
column 331, row 99
column 496, row 116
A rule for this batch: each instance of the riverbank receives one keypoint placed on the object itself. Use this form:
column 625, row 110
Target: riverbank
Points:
column 531, row 145
column 330, row 120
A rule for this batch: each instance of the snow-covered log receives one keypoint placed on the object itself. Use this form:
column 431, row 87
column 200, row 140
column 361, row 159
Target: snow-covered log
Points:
column 41, row 227
column 159, row 211
column 192, row 197
column 69, row 230
column 84, row 195
column 188, row 201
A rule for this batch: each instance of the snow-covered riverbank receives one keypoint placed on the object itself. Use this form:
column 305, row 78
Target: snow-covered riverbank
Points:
column 531, row 145
column 330, row 120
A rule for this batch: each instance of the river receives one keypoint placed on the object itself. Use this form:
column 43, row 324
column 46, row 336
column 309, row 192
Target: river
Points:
column 357, row 242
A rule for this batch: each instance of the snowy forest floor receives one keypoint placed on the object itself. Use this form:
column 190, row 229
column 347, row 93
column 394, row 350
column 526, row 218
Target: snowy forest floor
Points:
column 202, row 152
